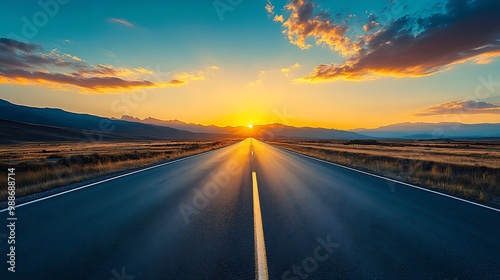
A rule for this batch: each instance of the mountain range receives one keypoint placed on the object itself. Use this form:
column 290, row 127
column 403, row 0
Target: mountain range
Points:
column 407, row 130
column 450, row 130
column 30, row 124
column 23, row 123
column 265, row 131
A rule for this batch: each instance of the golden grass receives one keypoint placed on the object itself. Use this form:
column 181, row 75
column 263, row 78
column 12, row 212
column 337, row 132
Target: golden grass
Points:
column 41, row 167
column 466, row 154
column 469, row 170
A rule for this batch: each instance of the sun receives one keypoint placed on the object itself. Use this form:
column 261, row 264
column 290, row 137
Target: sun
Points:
column 250, row 126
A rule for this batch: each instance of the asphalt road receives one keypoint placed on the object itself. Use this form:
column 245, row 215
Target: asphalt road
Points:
column 198, row 218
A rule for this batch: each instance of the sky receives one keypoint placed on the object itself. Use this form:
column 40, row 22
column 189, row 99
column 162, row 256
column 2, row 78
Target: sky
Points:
column 334, row 64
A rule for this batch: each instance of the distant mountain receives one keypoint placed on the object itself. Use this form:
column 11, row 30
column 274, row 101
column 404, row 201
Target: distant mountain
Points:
column 281, row 131
column 452, row 130
column 15, row 132
column 270, row 131
column 92, row 127
column 42, row 124
column 186, row 126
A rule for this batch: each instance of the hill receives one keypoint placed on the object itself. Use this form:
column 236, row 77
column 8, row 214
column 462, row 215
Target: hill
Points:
column 49, row 124
column 451, row 130
column 269, row 131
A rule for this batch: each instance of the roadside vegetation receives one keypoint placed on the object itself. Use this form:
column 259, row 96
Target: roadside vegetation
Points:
column 41, row 167
column 467, row 169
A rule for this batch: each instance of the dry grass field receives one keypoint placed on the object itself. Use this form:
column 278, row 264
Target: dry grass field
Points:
column 466, row 169
column 41, row 167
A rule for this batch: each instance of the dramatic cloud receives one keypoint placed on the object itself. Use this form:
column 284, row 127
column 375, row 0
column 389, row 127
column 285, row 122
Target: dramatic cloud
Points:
column 408, row 46
column 303, row 23
column 23, row 63
column 121, row 21
column 462, row 107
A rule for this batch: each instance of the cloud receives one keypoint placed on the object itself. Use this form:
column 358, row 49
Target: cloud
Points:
column 270, row 11
column 371, row 24
column 269, row 8
column 121, row 21
column 176, row 82
column 190, row 76
column 279, row 18
column 92, row 83
column 26, row 63
column 196, row 75
column 303, row 23
column 73, row 57
column 460, row 107
column 408, row 46
column 286, row 70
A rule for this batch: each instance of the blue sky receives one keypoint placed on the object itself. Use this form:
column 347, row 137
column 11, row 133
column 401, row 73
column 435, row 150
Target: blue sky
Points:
column 239, row 68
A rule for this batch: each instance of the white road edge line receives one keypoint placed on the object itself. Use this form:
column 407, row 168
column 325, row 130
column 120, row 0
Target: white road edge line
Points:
column 261, row 272
column 103, row 181
column 395, row 181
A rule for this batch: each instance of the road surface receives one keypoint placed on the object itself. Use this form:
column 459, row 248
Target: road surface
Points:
column 251, row 211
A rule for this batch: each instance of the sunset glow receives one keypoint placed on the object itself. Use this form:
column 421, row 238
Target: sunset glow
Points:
column 257, row 62
column 241, row 139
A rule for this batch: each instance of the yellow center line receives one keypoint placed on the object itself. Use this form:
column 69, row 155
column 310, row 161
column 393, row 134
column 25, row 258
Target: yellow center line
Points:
column 260, row 246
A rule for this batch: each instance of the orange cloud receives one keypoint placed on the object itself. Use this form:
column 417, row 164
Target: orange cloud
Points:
column 269, row 8
column 175, row 83
column 196, row 75
column 302, row 23
column 460, row 107
column 279, row 18
column 23, row 63
column 409, row 46
column 73, row 57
